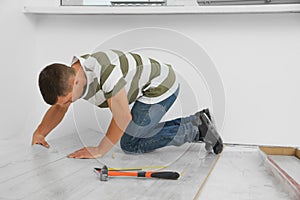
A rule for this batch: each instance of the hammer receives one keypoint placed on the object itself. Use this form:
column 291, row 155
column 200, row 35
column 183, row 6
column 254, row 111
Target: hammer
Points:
column 105, row 173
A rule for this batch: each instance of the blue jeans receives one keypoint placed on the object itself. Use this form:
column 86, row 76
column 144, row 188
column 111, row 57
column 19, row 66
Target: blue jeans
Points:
column 146, row 133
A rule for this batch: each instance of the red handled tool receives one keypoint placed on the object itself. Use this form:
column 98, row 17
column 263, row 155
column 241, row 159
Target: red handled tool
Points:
column 105, row 173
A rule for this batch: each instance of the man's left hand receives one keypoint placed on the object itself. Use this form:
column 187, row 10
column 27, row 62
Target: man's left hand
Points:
column 86, row 152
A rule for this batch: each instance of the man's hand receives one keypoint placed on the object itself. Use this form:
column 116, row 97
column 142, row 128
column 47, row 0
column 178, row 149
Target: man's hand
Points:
column 118, row 105
column 52, row 118
column 39, row 139
column 86, row 152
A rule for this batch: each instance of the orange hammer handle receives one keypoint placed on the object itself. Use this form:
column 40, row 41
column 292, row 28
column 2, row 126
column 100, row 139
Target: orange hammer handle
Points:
column 120, row 173
column 164, row 175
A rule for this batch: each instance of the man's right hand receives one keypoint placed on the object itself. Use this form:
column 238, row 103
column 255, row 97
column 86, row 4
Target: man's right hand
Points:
column 39, row 139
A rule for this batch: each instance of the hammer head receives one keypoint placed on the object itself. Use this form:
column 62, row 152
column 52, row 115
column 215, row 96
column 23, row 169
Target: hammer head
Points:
column 104, row 173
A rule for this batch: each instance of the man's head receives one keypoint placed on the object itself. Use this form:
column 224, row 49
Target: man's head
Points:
column 56, row 82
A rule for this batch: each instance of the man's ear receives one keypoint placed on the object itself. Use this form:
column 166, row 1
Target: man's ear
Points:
column 73, row 81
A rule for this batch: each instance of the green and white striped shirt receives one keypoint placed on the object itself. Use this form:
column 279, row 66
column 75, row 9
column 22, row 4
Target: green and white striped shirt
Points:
column 144, row 79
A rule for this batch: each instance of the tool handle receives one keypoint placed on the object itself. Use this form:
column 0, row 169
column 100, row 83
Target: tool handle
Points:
column 165, row 175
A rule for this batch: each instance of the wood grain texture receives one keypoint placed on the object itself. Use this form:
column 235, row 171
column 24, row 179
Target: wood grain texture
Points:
column 39, row 173
column 287, row 151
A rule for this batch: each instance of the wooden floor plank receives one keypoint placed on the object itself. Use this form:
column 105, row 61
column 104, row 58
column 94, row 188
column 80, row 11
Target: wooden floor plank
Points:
column 40, row 178
column 240, row 174
column 26, row 158
column 290, row 164
column 40, row 173
column 37, row 173
column 193, row 171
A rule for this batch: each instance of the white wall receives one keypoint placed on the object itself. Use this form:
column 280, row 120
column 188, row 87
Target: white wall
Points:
column 17, row 64
column 255, row 54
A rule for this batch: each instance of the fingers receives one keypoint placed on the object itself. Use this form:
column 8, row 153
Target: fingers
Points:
column 74, row 154
column 80, row 157
column 43, row 143
column 39, row 139
column 81, row 154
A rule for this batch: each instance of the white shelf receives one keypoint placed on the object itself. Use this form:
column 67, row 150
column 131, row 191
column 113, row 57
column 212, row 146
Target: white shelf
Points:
column 99, row 10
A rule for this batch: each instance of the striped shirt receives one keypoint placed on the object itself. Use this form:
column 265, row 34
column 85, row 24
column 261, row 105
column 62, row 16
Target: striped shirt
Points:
column 145, row 79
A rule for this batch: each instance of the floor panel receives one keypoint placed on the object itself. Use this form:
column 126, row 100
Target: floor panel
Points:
column 240, row 174
column 290, row 164
column 38, row 173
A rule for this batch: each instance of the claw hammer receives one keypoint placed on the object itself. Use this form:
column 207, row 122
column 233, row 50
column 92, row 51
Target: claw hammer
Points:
column 105, row 173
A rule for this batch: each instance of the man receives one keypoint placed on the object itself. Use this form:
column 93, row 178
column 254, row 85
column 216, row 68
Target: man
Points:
column 116, row 79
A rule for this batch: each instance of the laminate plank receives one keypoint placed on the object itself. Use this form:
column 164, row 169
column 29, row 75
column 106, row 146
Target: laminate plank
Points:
column 240, row 174
column 290, row 164
column 193, row 171
column 35, row 180
column 40, row 173
column 25, row 158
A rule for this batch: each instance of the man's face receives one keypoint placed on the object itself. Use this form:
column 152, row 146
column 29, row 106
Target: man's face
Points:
column 78, row 84
column 67, row 99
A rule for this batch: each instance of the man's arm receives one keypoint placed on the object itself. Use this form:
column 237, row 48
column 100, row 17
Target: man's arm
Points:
column 51, row 119
column 118, row 105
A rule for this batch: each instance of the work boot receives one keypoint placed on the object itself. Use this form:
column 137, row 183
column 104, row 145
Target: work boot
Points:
column 208, row 133
column 206, row 111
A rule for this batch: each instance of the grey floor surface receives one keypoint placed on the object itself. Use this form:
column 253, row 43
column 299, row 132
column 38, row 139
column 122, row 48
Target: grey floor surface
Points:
column 37, row 173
